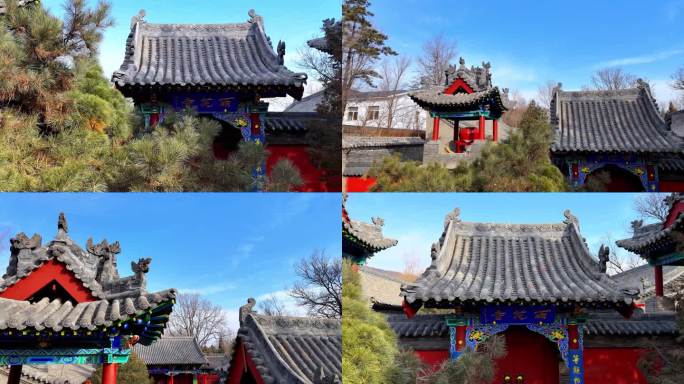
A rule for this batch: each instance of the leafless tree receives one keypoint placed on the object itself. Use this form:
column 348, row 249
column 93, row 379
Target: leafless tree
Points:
column 272, row 306
column 545, row 93
column 320, row 287
column 651, row 206
column 612, row 79
column 434, row 60
column 518, row 106
column 678, row 80
column 393, row 72
column 196, row 316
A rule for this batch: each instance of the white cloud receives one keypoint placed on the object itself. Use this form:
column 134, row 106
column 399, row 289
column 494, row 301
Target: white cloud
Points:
column 643, row 59
column 289, row 303
column 208, row 289
column 412, row 246
column 663, row 91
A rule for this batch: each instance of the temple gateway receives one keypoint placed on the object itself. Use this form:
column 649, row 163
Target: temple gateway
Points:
column 563, row 318
column 63, row 304
column 619, row 134
column 221, row 72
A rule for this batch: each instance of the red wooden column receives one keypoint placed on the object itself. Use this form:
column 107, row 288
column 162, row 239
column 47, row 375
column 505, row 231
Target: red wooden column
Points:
column 109, row 371
column 435, row 129
column 14, row 374
column 170, row 378
column 495, row 130
column 482, row 128
column 659, row 280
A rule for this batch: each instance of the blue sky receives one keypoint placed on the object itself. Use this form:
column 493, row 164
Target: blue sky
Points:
column 530, row 42
column 293, row 21
column 417, row 219
column 227, row 247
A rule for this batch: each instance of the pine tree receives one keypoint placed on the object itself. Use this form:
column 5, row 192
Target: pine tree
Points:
column 368, row 343
column 133, row 372
column 362, row 45
column 520, row 163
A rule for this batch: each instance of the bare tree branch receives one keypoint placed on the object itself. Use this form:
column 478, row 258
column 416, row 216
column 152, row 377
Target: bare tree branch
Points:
column 393, row 73
column 612, row 79
column 437, row 53
column 320, row 287
column 651, row 206
column 272, row 306
column 545, row 94
column 196, row 316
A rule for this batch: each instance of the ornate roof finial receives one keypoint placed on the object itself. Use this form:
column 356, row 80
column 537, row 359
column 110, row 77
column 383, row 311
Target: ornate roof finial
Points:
column 137, row 18
column 452, row 216
column 604, row 258
column 62, row 223
column 246, row 309
column 461, row 62
column 254, row 18
column 636, row 225
column 378, row 221
column 570, row 218
column 281, row 52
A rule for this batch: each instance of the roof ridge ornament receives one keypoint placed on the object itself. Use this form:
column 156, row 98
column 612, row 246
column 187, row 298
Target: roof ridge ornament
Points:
column 247, row 309
column 452, row 216
column 62, row 226
column 138, row 18
column 378, row 221
column 255, row 18
column 604, row 258
column 281, row 52
column 570, row 218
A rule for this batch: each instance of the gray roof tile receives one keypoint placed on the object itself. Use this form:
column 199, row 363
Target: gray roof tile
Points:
column 172, row 350
column 292, row 350
column 57, row 316
column 643, row 278
column 508, row 262
column 369, row 234
column 599, row 323
column 436, row 98
column 225, row 55
column 290, row 121
column 610, row 121
column 651, row 235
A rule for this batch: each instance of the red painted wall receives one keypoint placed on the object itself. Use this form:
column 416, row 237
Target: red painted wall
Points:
column 314, row 179
column 613, row 365
column 434, row 358
column 359, row 184
column 242, row 364
column 44, row 275
column 671, row 186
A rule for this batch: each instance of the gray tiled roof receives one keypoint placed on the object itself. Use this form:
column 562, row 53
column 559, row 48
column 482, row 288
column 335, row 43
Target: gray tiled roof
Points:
column 369, row 234
column 172, row 350
column 610, row 323
column 507, row 262
column 290, row 121
column 649, row 235
column 599, row 323
column 642, row 277
column 675, row 165
column 435, row 97
column 349, row 142
column 57, row 316
column 96, row 269
column 307, row 104
column 293, row 350
column 385, row 274
column 610, row 121
column 225, row 55
column 217, row 362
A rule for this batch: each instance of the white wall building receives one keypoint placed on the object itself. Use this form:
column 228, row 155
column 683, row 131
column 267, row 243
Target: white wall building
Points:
column 372, row 109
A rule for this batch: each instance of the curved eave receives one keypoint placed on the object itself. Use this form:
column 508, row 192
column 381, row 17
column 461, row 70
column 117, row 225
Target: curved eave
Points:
column 491, row 97
column 365, row 244
column 268, row 90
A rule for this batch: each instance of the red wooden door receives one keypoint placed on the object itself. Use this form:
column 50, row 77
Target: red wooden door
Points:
column 531, row 359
